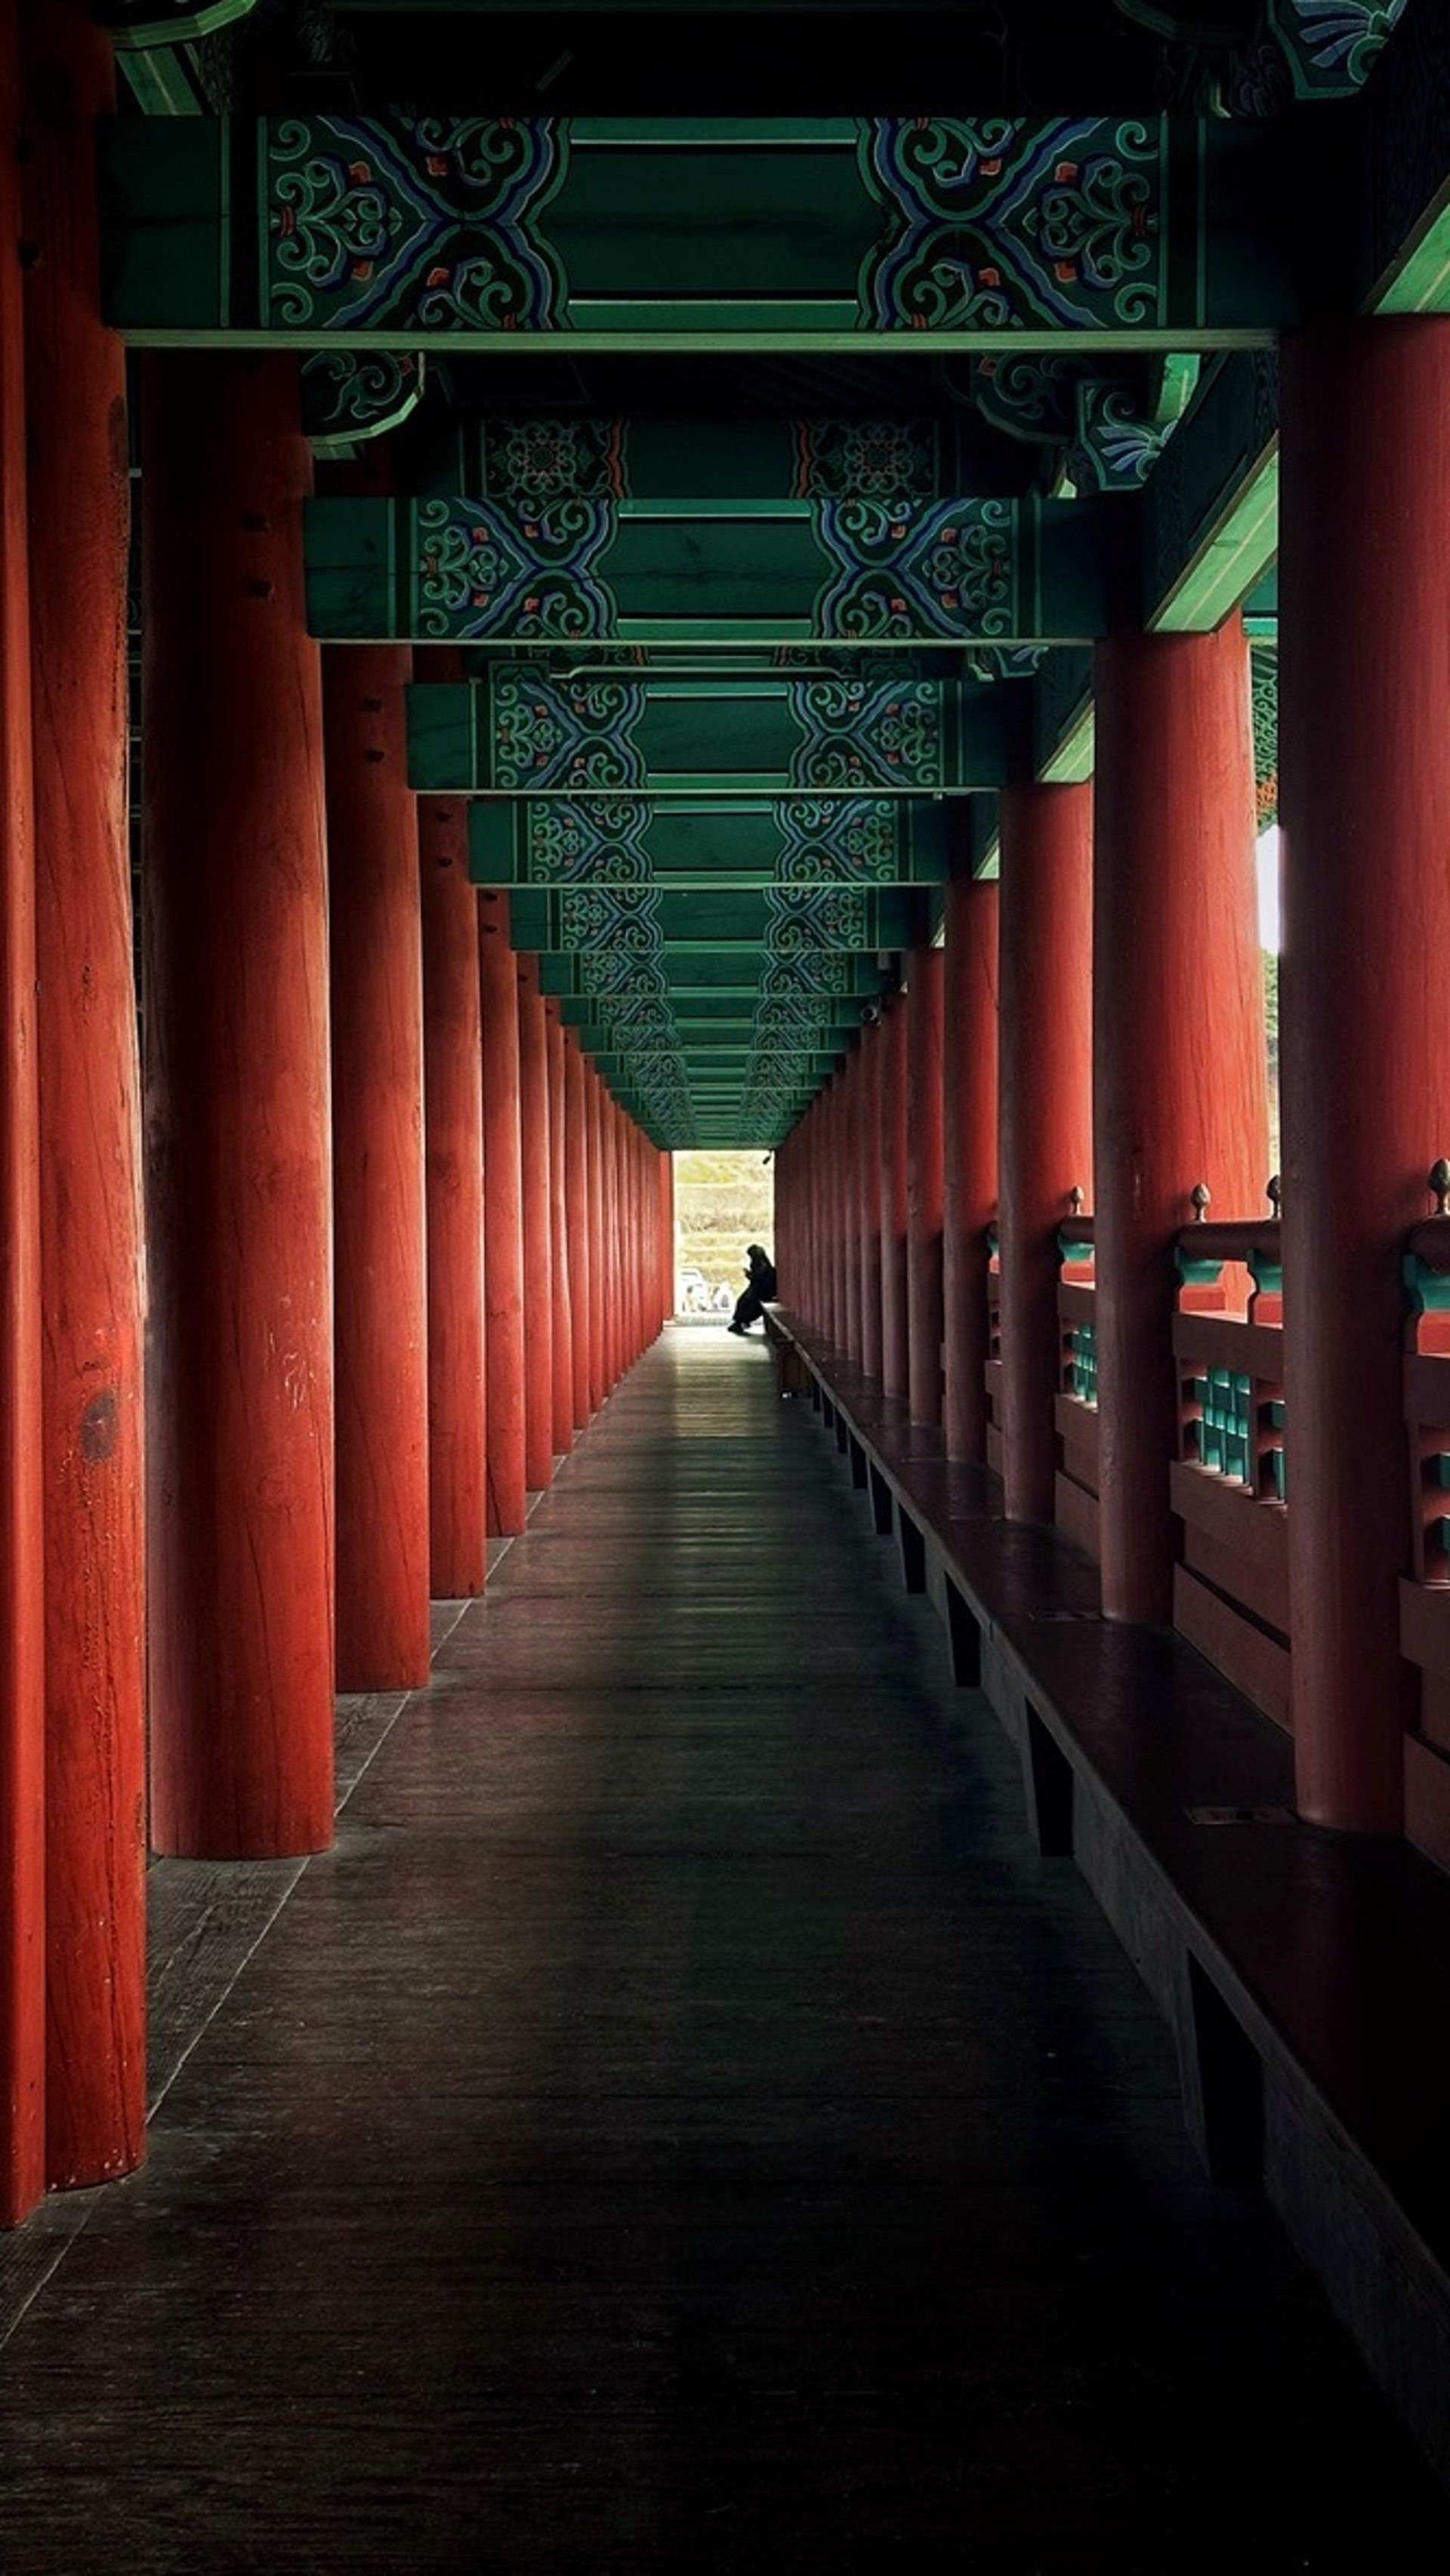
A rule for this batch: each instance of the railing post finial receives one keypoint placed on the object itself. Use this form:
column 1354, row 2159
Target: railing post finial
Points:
column 1440, row 1186
column 1201, row 1196
column 1274, row 1193
column 1075, row 1198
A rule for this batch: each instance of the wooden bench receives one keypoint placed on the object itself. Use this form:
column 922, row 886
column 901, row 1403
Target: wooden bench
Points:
column 792, row 1375
column 1306, row 1975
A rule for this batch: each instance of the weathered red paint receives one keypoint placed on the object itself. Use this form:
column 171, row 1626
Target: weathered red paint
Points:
column 576, row 1187
column 453, row 1168
column 561, row 1338
column 969, row 1155
column 95, row 1652
column 891, row 1170
column 503, row 1235
column 538, row 1229
column 22, row 1703
column 1178, row 1047
column 238, row 1129
column 925, row 1002
column 1045, row 1056
column 381, row 1352
column 1365, row 813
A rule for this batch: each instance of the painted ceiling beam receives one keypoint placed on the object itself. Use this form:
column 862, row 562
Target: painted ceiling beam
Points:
column 678, row 976
column 789, row 921
column 712, row 844
column 1099, row 418
column 525, row 733
column 880, row 573
column 773, row 233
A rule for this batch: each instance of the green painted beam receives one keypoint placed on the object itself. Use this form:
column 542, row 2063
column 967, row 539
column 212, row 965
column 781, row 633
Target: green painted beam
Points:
column 786, row 233
column 793, row 920
column 461, row 570
column 1210, row 514
column 743, row 844
column 523, row 732
column 724, row 462
column 1400, row 175
column 679, row 974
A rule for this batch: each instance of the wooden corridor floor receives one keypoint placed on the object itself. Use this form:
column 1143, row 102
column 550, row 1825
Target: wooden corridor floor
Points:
column 682, row 2127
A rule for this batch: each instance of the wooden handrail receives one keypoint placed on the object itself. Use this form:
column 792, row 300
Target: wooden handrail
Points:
column 1429, row 1243
column 1228, row 1242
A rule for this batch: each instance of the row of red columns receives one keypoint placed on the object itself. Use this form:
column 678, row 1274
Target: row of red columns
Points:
column 1103, row 1031
column 397, row 1241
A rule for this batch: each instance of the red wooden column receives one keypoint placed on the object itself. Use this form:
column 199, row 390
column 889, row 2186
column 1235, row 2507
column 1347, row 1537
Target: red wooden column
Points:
column 850, row 1191
column 561, row 1337
column 969, row 1156
column 1178, row 1047
column 837, row 1148
column 503, row 1233
column 868, row 1148
column 629, row 1248
column 95, row 1655
column 453, row 1105
column 594, row 1133
column 1365, row 807
column 666, row 1185
column 22, row 1701
column 1045, row 1057
column 378, row 1189
column 538, row 1229
column 891, row 1166
column 925, row 999
column 608, row 1252
column 238, row 1125
column 613, row 1266
column 576, row 1191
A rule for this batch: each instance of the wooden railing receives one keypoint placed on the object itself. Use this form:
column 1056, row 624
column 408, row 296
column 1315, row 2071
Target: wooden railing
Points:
column 1076, row 1498
column 992, row 1371
column 1425, row 1591
column 1229, row 1480
column 1231, row 1587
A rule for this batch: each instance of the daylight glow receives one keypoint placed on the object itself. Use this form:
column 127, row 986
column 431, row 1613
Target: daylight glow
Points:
column 1267, row 856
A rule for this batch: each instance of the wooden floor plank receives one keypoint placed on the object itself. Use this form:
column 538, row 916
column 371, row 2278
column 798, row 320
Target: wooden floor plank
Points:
column 682, row 2127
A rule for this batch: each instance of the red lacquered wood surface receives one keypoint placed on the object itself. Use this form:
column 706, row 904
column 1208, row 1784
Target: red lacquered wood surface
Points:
column 378, row 1188
column 238, row 1128
column 538, row 1229
column 95, row 1645
column 969, row 1156
column 1045, row 1108
column 22, row 1707
column 503, row 1238
column 1178, row 1047
column 453, row 1169
column 1365, row 803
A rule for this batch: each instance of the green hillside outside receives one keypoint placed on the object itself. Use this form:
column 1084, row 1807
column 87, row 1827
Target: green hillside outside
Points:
column 722, row 1202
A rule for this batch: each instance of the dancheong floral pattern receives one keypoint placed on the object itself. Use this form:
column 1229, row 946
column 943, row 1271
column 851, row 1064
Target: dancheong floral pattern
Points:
column 551, row 731
column 821, row 843
column 482, row 568
column 553, row 460
column 944, row 568
column 427, row 223
column 999, row 224
column 863, row 733
column 569, row 840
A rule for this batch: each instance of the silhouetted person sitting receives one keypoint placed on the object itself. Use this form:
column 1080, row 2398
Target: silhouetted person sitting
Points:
column 759, row 1284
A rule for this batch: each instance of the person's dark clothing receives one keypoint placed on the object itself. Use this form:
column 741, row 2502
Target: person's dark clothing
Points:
column 759, row 1286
